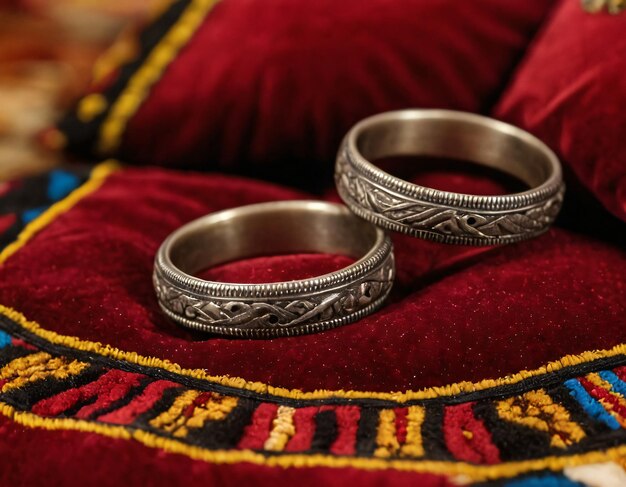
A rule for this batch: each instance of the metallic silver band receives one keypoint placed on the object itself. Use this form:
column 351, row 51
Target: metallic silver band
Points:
column 395, row 204
column 282, row 308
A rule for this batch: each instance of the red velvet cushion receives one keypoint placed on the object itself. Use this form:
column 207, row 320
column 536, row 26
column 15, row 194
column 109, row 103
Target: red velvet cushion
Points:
column 271, row 87
column 457, row 313
column 570, row 90
column 96, row 460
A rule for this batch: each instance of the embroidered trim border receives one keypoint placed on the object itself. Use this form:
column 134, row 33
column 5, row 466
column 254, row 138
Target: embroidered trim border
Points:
column 23, row 200
column 96, row 178
column 547, row 424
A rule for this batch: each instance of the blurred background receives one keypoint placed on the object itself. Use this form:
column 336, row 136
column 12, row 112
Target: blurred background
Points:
column 47, row 54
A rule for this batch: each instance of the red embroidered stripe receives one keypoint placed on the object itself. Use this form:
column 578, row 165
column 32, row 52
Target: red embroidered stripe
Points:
column 347, row 426
column 108, row 388
column 258, row 430
column 600, row 393
column 142, row 403
column 112, row 388
column 18, row 342
column 6, row 221
column 466, row 437
column 198, row 401
column 401, row 421
column 621, row 373
column 6, row 186
column 304, row 425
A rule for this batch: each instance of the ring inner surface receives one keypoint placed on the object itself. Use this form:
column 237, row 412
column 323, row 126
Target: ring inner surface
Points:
column 281, row 231
column 457, row 139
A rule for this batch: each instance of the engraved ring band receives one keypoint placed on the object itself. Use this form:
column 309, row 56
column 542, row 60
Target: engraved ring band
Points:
column 447, row 217
column 282, row 308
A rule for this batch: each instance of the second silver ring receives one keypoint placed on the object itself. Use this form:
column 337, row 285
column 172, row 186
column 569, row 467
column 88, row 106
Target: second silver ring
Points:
column 398, row 205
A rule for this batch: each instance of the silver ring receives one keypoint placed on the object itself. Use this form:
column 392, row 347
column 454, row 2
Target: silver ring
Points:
column 273, row 309
column 398, row 205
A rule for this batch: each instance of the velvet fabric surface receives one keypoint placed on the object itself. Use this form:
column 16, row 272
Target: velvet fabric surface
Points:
column 91, row 465
column 456, row 313
column 570, row 91
column 269, row 89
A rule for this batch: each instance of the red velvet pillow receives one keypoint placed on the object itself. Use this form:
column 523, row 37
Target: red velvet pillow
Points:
column 270, row 88
column 570, row 90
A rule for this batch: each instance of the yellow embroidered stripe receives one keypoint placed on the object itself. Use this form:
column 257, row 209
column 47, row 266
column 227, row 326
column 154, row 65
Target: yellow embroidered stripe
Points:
column 149, row 73
column 97, row 177
column 472, row 471
column 262, row 388
column 386, row 440
column 216, row 408
column 282, row 429
column 173, row 420
column 91, row 106
column 413, row 446
column 178, row 420
column 536, row 410
column 124, row 49
column 35, row 367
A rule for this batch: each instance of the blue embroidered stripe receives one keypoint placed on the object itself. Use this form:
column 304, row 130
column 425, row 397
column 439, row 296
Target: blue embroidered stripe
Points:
column 590, row 405
column 617, row 384
column 544, row 481
column 5, row 339
column 61, row 184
